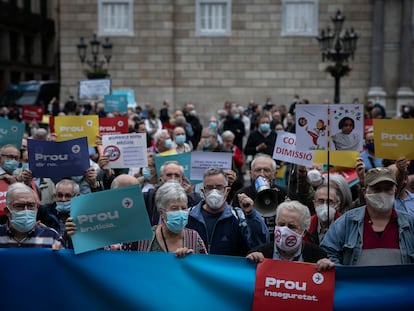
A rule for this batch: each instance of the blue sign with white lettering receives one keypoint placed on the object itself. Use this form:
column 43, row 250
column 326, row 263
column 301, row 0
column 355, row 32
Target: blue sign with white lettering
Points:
column 11, row 132
column 58, row 159
column 109, row 217
column 115, row 102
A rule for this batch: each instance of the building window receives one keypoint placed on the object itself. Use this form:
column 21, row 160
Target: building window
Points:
column 213, row 17
column 299, row 17
column 115, row 18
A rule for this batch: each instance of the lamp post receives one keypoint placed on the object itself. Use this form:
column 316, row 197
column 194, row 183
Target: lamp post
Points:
column 95, row 62
column 337, row 48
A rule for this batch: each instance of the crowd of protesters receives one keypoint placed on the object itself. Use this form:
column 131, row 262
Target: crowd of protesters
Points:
column 317, row 207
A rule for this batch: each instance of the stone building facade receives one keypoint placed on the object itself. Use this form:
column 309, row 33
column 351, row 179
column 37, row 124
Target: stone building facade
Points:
column 164, row 53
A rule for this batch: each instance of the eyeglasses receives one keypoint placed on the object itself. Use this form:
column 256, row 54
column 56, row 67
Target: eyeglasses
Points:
column 10, row 156
column 60, row 195
column 22, row 206
column 220, row 188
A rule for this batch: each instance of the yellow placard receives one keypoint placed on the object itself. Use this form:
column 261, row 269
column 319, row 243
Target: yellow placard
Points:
column 71, row 127
column 336, row 157
column 394, row 138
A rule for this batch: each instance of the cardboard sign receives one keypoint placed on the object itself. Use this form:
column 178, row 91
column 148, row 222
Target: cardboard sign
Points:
column 115, row 125
column 115, row 103
column 394, row 138
column 30, row 113
column 71, row 127
column 286, row 285
column 109, row 217
column 58, row 159
column 183, row 159
column 11, row 132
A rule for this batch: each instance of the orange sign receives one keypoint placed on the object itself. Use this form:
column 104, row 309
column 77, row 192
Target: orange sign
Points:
column 286, row 285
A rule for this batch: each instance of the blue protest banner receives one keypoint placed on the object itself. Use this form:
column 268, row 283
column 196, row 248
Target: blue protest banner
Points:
column 11, row 132
column 58, row 159
column 117, row 280
column 109, row 217
column 115, row 102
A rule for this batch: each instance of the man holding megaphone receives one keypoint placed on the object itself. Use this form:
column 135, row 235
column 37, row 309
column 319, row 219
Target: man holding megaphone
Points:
column 262, row 191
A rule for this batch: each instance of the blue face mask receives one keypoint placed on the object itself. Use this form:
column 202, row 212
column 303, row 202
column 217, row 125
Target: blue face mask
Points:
column 236, row 116
column 180, row 139
column 177, row 220
column 63, row 207
column 212, row 125
column 146, row 172
column 265, row 127
column 10, row 165
column 168, row 143
column 23, row 221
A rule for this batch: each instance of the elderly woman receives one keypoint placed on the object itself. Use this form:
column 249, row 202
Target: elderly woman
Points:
column 171, row 235
column 292, row 220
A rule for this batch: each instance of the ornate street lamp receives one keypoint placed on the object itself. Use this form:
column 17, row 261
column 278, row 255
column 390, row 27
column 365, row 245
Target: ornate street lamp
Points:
column 95, row 62
column 337, row 48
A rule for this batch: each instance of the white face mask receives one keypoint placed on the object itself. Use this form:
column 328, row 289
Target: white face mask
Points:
column 381, row 202
column 322, row 212
column 215, row 199
column 287, row 240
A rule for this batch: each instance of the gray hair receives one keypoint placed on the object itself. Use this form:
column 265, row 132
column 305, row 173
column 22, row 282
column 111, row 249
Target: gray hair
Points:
column 158, row 134
column 171, row 191
column 345, row 195
column 263, row 155
column 171, row 162
column 227, row 134
column 337, row 196
column 8, row 146
column 18, row 188
column 210, row 131
column 299, row 207
column 74, row 184
column 212, row 171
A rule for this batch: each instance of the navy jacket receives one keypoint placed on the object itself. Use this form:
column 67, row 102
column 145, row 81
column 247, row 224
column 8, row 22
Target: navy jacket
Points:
column 233, row 234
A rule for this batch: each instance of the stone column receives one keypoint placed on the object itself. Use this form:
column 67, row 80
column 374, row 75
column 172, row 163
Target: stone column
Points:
column 376, row 91
column 405, row 94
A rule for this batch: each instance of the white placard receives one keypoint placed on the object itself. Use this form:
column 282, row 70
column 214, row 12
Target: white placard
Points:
column 125, row 150
column 200, row 161
column 285, row 150
column 94, row 88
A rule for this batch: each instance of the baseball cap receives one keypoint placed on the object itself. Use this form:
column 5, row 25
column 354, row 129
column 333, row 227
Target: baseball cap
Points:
column 379, row 174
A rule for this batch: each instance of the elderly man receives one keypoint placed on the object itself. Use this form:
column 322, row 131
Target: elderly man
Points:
column 163, row 142
column 292, row 220
column 21, row 229
column 171, row 170
column 261, row 140
column 226, row 230
column 209, row 141
column 374, row 234
column 265, row 167
column 54, row 215
column 326, row 202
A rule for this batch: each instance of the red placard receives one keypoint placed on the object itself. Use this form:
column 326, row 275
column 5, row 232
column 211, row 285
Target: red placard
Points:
column 115, row 125
column 4, row 186
column 286, row 285
column 30, row 113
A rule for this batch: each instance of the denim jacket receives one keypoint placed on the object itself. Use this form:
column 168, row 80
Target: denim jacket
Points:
column 343, row 241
